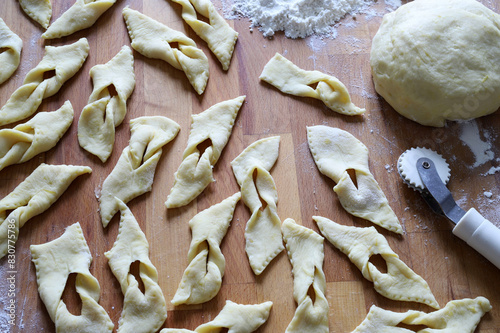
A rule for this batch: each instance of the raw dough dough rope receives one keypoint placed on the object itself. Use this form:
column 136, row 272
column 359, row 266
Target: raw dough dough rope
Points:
column 457, row 316
column 155, row 40
column 32, row 197
column 83, row 14
column 54, row 262
column 64, row 60
column 142, row 313
column 39, row 10
column 219, row 36
column 10, row 58
column 39, row 134
column 195, row 172
column 202, row 278
column 104, row 112
column 305, row 250
column 134, row 172
column 290, row 79
column 335, row 152
column 400, row 283
column 263, row 230
column 236, row 318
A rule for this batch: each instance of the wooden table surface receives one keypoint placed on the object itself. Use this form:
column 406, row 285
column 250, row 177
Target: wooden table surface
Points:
column 452, row 269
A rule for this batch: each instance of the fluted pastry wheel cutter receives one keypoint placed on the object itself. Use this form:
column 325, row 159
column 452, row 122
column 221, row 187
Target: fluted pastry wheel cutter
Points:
column 427, row 172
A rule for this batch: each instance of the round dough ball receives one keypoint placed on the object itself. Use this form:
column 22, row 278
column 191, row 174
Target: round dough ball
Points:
column 434, row 61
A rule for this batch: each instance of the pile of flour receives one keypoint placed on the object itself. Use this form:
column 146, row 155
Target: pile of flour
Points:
column 300, row 18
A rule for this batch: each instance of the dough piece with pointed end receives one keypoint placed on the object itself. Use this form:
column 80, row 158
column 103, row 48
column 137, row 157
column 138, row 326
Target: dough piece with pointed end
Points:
column 134, row 172
column 34, row 196
column 306, row 254
column 64, row 60
column 54, row 262
column 263, row 230
column 290, row 79
column 202, row 278
column 195, row 173
column 81, row 15
column 10, row 58
column 457, row 316
column 219, row 36
column 236, row 318
column 142, row 312
column 106, row 108
column 155, row 40
column 335, row 152
column 359, row 244
column 39, row 134
column 39, row 10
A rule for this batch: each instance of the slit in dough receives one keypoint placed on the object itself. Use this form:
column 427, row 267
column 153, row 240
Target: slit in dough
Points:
column 400, row 283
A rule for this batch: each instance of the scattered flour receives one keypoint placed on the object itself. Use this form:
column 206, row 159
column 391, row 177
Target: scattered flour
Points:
column 471, row 137
column 301, row 18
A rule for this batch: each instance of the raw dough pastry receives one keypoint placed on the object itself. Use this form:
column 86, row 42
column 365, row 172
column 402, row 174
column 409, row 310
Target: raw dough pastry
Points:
column 236, row 318
column 305, row 250
column 434, row 61
column 457, row 316
column 104, row 111
column 335, row 152
column 64, row 60
column 155, row 40
column 290, row 79
column 134, row 172
column 202, row 278
column 195, row 172
column 142, row 313
column 39, row 134
column 10, row 58
column 359, row 244
column 39, row 10
column 263, row 230
column 34, row 196
column 54, row 262
column 219, row 36
column 81, row 15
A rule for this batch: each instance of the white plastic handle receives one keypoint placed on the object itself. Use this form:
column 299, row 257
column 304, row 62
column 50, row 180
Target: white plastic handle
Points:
column 480, row 234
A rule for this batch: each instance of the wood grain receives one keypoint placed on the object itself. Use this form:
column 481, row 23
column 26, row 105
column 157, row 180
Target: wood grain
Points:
column 452, row 269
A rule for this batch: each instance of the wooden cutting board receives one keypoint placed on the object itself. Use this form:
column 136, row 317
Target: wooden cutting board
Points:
column 452, row 269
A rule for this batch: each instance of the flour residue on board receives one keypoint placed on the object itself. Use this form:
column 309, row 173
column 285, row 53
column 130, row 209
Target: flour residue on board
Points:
column 471, row 137
column 300, row 18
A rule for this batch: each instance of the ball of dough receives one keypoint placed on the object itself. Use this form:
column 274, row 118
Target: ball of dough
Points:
column 434, row 61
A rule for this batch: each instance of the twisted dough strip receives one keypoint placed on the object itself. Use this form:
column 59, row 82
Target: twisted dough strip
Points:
column 195, row 172
column 64, row 60
column 457, row 316
column 142, row 313
column 104, row 112
column 305, row 250
column 263, row 230
column 32, row 197
column 236, row 318
column 284, row 75
column 335, row 152
column 202, row 278
column 39, row 10
column 39, row 134
column 134, row 172
column 219, row 36
column 10, row 58
column 155, row 40
column 359, row 244
column 81, row 15
column 54, row 262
